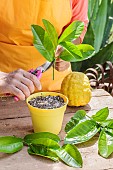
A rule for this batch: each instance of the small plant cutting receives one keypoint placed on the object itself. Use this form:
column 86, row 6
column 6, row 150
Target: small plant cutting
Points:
column 79, row 129
column 46, row 41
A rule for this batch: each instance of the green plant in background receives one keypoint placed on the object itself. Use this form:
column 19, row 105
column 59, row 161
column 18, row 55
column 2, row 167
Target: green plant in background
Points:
column 46, row 41
column 99, row 34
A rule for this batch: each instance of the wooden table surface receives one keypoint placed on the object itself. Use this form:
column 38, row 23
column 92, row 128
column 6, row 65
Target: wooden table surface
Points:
column 15, row 120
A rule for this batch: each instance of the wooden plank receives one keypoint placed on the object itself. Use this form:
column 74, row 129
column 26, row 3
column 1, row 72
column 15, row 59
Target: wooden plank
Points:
column 16, row 121
column 21, row 126
column 23, row 161
column 17, row 127
column 11, row 109
column 99, row 92
column 89, row 151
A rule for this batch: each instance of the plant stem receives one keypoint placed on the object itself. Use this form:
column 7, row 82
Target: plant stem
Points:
column 54, row 70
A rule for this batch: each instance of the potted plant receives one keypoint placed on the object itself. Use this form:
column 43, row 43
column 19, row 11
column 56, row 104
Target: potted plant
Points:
column 47, row 111
column 46, row 42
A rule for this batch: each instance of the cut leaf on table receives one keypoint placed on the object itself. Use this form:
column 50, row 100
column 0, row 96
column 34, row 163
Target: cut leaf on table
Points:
column 42, row 151
column 10, row 144
column 31, row 137
column 70, row 155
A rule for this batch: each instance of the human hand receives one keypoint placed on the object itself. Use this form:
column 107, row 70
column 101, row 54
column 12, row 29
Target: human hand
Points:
column 20, row 83
column 60, row 65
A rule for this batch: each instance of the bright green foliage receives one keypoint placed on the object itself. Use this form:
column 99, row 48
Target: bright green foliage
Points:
column 99, row 34
column 46, row 42
column 72, row 32
column 84, row 129
column 107, row 123
column 43, row 151
column 101, row 115
column 44, row 144
column 79, row 116
column 49, row 143
column 10, row 144
column 105, row 143
column 43, row 43
column 70, row 155
column 82, row 132
column 51, row 32
column 31, row 137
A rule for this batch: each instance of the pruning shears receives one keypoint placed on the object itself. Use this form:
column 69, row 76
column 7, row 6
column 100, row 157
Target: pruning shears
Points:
column 38, row 71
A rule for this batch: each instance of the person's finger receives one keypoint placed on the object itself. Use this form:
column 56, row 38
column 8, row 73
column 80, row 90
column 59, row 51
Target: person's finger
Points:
column 23, row 88
column 34, row 79
column 61, row 65
column 28, row 83
column 20, row 83
column 20, row 73
column 62, row 68
column 58, row 51
column 17, row 92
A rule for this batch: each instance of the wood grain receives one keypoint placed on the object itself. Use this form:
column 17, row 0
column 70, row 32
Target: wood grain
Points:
column 15, row 120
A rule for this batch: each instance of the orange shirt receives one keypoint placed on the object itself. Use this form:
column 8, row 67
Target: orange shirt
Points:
column 79, row 12
column 16, row 39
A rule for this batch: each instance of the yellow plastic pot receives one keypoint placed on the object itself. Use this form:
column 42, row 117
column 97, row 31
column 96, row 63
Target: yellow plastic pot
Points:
column 47, row 120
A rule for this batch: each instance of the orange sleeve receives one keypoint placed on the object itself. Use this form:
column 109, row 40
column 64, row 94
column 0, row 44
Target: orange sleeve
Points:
column 79, row 12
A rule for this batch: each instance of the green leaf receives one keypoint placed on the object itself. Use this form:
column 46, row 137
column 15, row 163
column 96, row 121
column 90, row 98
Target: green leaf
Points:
column 49, row 143
column 86, row 50
column 42, row 151
column 30, row 137
column 43, row 43
column 71, row 48
column 92, row 8
column 71, row 52
column 105, row 54
column 109, row 131
column 70, row 155
column 85, row 47
column 66, row 56
column 110, row 125
column 10, row 144
column 79, row 116
column 101, row 115
column 73, row 31
column 109, row 23
column 75, row 53
column 105, row 144
column 82, row 132
column 89, row 36
column 51, row 32
column 107, row 123
column 98, row 25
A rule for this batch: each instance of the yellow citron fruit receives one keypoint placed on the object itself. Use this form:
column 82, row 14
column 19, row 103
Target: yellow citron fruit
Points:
column 76, row 87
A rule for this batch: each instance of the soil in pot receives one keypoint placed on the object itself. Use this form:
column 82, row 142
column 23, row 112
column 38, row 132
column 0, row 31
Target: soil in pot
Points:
column 47, row 102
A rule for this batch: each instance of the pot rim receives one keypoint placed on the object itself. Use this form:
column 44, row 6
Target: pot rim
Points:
column 57, row 93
